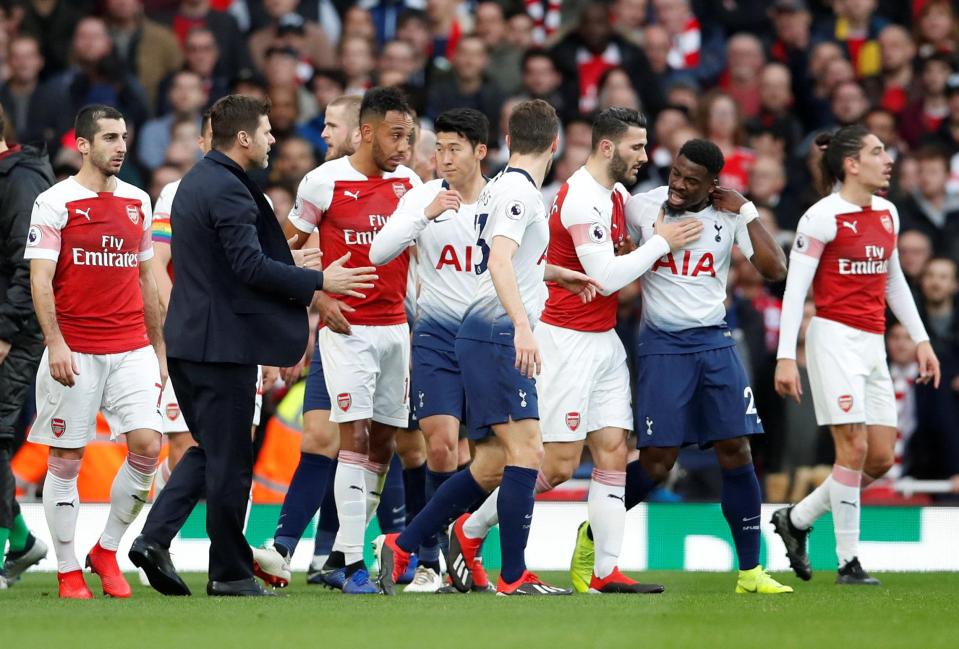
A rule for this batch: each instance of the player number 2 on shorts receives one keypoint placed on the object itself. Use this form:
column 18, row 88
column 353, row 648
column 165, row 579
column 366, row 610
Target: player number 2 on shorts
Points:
column 748, row 394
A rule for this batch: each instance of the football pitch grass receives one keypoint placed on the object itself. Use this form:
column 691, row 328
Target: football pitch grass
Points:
column 698, row 610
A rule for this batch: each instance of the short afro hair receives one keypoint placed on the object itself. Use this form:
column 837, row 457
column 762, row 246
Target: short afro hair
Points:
column 705, row 154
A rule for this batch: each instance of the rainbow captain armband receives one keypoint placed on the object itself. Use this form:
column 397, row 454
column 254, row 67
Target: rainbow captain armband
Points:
column 162, row 231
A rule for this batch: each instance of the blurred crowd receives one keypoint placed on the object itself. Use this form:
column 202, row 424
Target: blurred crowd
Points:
column 761, row 78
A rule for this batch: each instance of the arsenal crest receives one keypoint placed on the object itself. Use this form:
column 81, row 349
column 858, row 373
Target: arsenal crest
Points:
column 845, row 402
column 886, row 221
column 572, row 420
column 133, row 213
column 172, row 411
column 58, row 426
column 399, row 189
column 344, row 401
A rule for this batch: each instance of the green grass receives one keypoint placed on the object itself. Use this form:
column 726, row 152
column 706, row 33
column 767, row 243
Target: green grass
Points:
column 697, row 610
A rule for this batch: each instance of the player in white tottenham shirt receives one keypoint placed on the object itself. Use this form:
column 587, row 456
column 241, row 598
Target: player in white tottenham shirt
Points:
column 438, row 218
column 846, row 249
column 584, row 389
column 96, row 300
column 494, row 341
column 691, row 386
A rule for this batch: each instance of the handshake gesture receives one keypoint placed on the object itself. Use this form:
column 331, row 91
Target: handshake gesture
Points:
column 337, row 278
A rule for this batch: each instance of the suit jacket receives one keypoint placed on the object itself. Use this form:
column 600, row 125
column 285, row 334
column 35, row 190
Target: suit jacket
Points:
column 237, row 297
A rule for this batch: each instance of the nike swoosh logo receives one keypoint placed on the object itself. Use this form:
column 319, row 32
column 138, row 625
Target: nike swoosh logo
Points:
column 751, row 518
column 353, row 486
column 528, row 516
column 441, row 220
column 397, row 510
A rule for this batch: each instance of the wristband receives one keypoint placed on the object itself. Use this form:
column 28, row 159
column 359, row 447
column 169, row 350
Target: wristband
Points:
column 749, row 212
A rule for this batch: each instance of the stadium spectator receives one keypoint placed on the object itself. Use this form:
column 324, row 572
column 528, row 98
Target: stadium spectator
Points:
column 720, row 121
column 656, row 46
column 413, row 27
column 541, row 80
column 294, row 159
column 357, row 21
column 22, row 95
column 357, row 63
column 282, row 199
column 280, row 71
column 827, row 68
column 192, row 14
column 903, row 369
column 936, row 28
column 95, row 76
column 741, row 78
column 767, row 184
column 776, row 104
column 146, row 48
column 848, row 103
column 468, row 85
column 616, row 89
column 52, row 23
column 933, row 202
column 161, row 177
column 926, row 113
column 856, row 27
column 790, row 39
column 423, row 160
column 629, row 17
column 447, row 25
column 897, row 81
column 694, row 47
column 312, row 41
column 915, row 250
column 520, row 31
column 201, row 54
column 284, row 111
column 884, row 124
column 383, row 16
column 187, row 100
column 504, row 57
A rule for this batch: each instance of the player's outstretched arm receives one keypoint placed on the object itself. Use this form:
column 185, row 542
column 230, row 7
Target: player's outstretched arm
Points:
column 575, row 282
column 63, row 367
column 500, row 268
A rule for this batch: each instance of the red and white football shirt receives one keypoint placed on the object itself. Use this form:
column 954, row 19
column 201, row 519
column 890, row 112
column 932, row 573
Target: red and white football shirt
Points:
column 349, row 209
column 98, row 241
column 585, row 218
column 853, row 245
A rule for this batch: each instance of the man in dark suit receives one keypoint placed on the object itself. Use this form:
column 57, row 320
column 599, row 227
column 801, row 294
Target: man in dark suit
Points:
column 237, row 301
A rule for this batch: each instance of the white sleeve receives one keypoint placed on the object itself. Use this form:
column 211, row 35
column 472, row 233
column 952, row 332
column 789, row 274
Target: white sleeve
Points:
column 511, row 216
column 164, row 203
column 43, row 238
column 401, row 230
column 900, row 301
column 812, row 235
column 594, row 248
column 313, row 198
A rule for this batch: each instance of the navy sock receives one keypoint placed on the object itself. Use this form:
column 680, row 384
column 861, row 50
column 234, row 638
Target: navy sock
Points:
column 432, row 546
column 414, row 483
column 391, row 512
column 302, row 500
column 515, row 507
column 638, row 484
column 452, row 499
column 328, row 523
column 741, row 501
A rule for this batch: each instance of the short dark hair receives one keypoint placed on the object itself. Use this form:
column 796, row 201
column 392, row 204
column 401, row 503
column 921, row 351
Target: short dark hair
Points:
column 417, row 15
column 612, row 124
column 379, row 101
column 466, row 122
column 336, row 76
column 533, row 126
column 235, row 113
column 929, row 152
column 87, row 124
column 206, row 122
column 536, row 53
column 705, row 154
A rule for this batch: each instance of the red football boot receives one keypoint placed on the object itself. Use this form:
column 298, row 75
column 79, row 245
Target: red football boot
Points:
column 72, row 585
column 465, row 564
column 617, row 582
column 529, row 584
column 104, row 563
column 393, row 562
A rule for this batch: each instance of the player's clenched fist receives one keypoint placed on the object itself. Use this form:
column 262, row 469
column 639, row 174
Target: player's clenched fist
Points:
column 449, row 199
column 678, row 233
column 63, row 367
column 348, row 281
column 787, row 379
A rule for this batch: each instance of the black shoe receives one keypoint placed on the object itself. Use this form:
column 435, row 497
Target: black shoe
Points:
column 795, row 541
column 852, row 574
column 239, row 588
column 156, row 563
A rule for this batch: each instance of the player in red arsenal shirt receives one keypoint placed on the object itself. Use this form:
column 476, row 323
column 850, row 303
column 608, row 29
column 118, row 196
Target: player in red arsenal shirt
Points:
column 89, row 247
column 845, row 248
column 366, row 366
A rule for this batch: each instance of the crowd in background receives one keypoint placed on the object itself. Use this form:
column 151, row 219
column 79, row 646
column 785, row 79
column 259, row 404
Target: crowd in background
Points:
column 761, row 78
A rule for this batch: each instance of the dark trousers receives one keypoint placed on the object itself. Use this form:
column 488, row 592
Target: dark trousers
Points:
column 217, row 402
column 9, row 509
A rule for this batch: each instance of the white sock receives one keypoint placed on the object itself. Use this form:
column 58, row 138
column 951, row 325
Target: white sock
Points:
column 129, row 492
column 161, row 477
column 844, row 497
column 480, row 522
column 607, row 518
column 808, row 510
column 349, row 491
column 374, row 474
column 61, row 504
